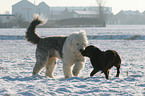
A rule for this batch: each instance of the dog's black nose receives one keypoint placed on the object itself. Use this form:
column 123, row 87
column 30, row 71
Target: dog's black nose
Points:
column 81, row 50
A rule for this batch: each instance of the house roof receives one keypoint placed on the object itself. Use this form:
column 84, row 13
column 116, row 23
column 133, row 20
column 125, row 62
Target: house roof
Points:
column 43, row 4
column 23, row 2
column 7, row 15
column 86, row 12
column 26, row 2
column 130, row 12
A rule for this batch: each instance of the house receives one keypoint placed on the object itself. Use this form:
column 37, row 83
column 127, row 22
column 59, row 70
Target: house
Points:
column 58, row 13
column 27, row 9
column 129, row 17
column 66, row 14
column 85, row 14
column 43, row 9
column 24, row 8
column 5, row 18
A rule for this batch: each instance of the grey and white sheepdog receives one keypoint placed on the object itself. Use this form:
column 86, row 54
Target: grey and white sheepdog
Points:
column 66, row 48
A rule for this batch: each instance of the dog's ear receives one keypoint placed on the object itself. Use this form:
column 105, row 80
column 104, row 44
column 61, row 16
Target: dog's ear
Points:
column 82, row 34
column 92, row 46
column 70, row 40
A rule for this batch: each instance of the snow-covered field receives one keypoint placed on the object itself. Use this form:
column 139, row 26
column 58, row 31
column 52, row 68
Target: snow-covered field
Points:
column 17, row 58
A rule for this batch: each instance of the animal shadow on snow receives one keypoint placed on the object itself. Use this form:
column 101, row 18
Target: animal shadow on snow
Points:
column 81, row 79
column 18, row 78
column 38, row 77
column 72, row 79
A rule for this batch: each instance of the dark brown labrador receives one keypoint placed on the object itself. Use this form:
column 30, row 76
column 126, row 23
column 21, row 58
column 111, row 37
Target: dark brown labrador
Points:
column 102, row 60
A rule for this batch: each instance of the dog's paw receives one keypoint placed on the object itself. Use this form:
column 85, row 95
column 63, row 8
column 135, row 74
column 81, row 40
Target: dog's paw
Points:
column 75, row 73
column 50, row 76
column 66, row 77
column 117, row 75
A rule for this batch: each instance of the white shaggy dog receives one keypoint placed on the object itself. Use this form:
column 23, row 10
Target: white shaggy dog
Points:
column 67, row 48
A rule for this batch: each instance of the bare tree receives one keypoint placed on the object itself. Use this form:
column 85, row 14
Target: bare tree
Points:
column 101, row 4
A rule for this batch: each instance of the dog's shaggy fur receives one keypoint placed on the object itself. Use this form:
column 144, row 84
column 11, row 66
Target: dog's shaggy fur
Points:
column 67, row 48
column 103, row 61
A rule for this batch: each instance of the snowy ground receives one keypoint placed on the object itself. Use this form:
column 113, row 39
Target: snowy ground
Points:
column 17, row 58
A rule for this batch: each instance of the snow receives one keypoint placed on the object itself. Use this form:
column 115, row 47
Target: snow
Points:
column 17, row 59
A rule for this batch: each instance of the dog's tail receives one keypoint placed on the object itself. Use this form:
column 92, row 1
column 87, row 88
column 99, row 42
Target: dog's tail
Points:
column 31, row 34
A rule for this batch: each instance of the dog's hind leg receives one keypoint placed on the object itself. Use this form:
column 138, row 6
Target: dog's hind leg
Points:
column 117, row 64
column 77, row 67
column 94, row 72
column 50, row 66
column 38, row 66
column 41, row 59
column 118, row 70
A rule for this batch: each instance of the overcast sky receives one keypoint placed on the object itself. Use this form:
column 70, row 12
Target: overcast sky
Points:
column 117, row 5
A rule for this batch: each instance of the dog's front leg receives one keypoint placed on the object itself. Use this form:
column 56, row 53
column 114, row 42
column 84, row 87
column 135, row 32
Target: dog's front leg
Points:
column 67, row 70
column 94, row 72
column 107, row 74
column 78, row 66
